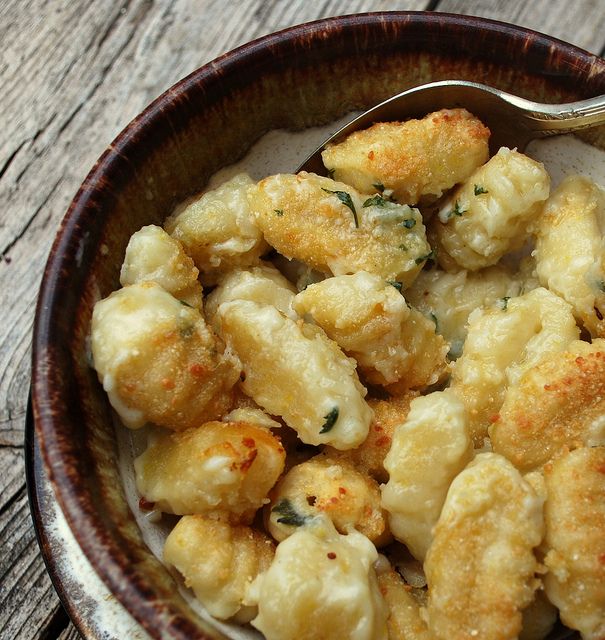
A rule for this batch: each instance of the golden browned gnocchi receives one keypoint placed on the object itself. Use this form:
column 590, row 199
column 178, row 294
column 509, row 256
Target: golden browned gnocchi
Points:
column 449, row 298
column 157, row 359
column 218, row 231
column 434, row 436
column 570, row 249
column 217, row 468
column 320, row 585
column 334, row 229
column 560, row 402
column 293, row 370
column 575, row 541
column 414, row 159
column 152, row 255
column 233, row 555
column 405, row 619
column 370, row 320
column 480, row 567
column 323, row 485
column 274, row 439
column 488, row 215
column 502, row 342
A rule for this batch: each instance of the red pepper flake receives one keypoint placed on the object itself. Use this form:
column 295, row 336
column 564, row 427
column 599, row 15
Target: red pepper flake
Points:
column 167, row 383
column 493, row 419
column 371, row 155
column 248, row 442
column 602, row 558
column 145, row 505
column 601, row 468
column 333, row 499
column 377, row 427
column 247, row 463
column 383, row 441
column 331, row 555
column 342, row 491
column 197, row 369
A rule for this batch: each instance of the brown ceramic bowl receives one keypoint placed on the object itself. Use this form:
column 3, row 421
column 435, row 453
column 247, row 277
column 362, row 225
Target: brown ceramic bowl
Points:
column 303, row 76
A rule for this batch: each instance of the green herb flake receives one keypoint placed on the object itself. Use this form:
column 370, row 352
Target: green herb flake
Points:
column 503, row 303
column 480, row 190
column 288, row 513
column 429, row 256
column 185, row 304
column 346, row 199
column 278, row 212
column 375, row 201
column 330, row 420
column 456, row 211
column 434, row 319
column 397, row 285
column 402, row 247
column 409, row 223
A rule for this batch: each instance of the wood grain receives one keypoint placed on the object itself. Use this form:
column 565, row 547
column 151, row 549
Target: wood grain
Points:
column 73, row 73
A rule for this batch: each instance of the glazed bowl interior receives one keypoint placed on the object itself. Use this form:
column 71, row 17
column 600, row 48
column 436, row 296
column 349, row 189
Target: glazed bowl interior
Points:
column 302, row 77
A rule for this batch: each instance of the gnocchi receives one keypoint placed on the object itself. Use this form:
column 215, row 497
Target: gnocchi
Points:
column 346, row 380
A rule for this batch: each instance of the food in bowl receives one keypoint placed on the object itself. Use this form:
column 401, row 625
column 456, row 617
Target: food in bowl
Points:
column 299, row 429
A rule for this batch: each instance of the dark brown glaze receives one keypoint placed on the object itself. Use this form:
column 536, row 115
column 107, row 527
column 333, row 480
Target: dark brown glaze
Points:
column 302, row 76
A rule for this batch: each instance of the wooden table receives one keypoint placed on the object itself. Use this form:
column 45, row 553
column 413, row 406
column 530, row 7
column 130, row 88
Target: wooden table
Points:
column 74, row 73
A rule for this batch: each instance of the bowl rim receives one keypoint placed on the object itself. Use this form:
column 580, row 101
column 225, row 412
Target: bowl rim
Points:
column 47, row 390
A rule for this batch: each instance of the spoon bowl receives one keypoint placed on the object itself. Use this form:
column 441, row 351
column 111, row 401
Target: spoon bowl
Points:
column 513, row 121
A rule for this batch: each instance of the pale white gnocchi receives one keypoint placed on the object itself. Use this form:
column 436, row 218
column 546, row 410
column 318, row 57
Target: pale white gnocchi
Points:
column 321, row 584
column 323, row 400
column 488, row 215
column 570, row 249
column 434, row 436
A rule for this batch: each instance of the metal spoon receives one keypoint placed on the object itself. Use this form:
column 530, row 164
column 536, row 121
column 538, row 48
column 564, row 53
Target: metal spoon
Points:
column 513, row 121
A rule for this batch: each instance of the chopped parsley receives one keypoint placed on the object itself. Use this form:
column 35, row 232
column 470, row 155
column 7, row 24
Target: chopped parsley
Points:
column 346, row 199
column 376, row 201
column 409, row 223
column 434, row 319
column 479, row 190
column 503, row 303
column 395, row 284
column 402, row 247
column 278, row 212
column 185, row 304
column 330, row 420
column 288, row 513
column 429, row 256
column 456, row 211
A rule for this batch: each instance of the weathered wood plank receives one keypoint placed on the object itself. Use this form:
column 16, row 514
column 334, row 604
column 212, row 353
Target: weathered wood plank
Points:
column 581, row 22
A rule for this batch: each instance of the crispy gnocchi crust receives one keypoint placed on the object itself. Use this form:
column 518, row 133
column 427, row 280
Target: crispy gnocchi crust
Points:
column 333, row 487
column 370, row 320
column 480, row 567
column 233, row 555
column 575, row 539
column 558, row 403
column 158, row 360
column 415, row 159
column 218, row 468
column 326, row 225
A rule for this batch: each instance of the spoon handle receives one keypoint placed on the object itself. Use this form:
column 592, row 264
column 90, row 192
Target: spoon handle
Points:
column 552, row 119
